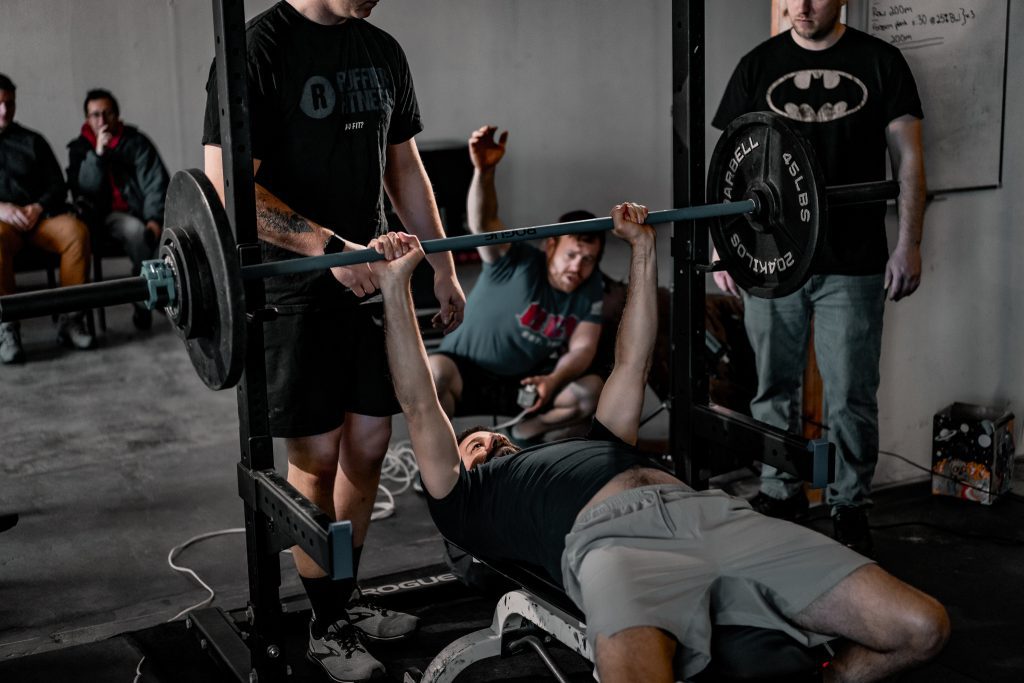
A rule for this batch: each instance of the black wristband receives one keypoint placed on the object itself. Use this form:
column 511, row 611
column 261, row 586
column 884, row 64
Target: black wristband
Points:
column 334, row 245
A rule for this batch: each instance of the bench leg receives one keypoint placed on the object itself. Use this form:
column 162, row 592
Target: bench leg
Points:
column 561, row 626
column 457, row 656
column 513, row 611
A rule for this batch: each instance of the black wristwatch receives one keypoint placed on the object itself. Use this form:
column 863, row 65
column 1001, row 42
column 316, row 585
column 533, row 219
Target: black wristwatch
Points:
column 334, row 244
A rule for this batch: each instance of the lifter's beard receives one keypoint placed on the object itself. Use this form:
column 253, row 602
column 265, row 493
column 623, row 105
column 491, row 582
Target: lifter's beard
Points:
column 500, row 448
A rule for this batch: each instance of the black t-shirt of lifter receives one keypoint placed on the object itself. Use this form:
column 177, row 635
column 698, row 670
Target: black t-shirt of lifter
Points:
column 324, row 101
column 841, row 99
column 520, row 507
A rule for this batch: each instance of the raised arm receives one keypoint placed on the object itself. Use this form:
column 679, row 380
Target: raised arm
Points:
column 622, row 398
column 277, row 224
column 482, row 201
column 903, row 271
column 433, row 440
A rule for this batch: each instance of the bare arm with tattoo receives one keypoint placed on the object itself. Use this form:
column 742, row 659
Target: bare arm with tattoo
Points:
column 278, row 224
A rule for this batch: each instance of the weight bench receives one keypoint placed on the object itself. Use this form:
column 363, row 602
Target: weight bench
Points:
column 540, row 609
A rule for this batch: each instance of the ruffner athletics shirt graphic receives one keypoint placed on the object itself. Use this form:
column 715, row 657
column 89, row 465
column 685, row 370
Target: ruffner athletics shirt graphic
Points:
column 352, row 91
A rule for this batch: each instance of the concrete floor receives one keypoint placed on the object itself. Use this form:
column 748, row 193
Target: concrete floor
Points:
column 114, row 456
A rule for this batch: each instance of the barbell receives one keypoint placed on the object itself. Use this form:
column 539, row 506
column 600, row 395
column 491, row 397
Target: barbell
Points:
column 767, row 228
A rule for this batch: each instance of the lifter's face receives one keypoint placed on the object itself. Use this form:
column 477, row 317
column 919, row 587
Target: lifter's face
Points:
column 814, row 19
column 479, row 447
column 7, row 107
column 570, row 262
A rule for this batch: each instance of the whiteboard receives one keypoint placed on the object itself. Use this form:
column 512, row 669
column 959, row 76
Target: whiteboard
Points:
column 957, row 51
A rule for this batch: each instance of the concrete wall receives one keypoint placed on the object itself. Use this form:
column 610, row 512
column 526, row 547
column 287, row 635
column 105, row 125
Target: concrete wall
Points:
column 959, row 338
column 153, row 54
column 584, row 87
column 583, row 90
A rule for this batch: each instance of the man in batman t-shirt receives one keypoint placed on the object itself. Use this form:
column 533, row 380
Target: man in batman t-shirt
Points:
column 853, row 97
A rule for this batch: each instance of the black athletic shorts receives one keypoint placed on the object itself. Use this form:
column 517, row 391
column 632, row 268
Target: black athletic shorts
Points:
column 485, row 393
column 322, row 364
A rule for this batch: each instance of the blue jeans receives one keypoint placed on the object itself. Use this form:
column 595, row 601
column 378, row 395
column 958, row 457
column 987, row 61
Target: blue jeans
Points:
column 847, row 312
column 133, row 236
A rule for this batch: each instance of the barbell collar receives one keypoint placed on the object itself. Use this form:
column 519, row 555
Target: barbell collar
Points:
column 862, row 193
column 159, row 277
column 72, row 299
column 312, row 263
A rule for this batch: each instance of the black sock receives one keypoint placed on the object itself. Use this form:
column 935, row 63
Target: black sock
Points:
column 327, row 608
column 342, row 590
column 328, row 598
column 357, row 554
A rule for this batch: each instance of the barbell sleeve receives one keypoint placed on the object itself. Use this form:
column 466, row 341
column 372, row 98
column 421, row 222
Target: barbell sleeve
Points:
column 862, row 193
column 349, row 258
column 74, row 298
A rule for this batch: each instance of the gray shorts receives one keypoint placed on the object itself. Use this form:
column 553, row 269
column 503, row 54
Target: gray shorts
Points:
column 680, row 560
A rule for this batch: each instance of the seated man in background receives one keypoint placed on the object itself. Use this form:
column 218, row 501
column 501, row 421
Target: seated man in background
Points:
column 651, row 562
column 118, row 179
column 526, row 306
column 34, row 211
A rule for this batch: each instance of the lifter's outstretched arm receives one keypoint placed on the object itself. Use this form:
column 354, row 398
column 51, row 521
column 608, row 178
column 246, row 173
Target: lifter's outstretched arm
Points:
column 433, row 440
column 622, row 398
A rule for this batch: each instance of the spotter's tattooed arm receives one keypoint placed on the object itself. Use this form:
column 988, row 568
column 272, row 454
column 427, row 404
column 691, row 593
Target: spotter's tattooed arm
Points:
column 279, row 225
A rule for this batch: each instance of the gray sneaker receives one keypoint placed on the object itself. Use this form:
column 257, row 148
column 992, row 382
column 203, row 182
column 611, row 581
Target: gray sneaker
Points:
column 341, row 654
column 376, row 622
column 73, row 331
column 10, row 343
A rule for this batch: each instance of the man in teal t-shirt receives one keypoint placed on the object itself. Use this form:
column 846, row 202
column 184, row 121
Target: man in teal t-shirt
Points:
column 532, row 319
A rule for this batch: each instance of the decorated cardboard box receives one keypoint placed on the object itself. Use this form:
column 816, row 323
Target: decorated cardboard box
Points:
column 972, row 452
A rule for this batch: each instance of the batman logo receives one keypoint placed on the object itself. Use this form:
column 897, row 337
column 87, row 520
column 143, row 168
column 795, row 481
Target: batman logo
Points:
column 817, row 95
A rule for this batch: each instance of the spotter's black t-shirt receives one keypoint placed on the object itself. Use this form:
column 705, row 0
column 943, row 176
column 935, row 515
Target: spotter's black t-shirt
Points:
column 324, row 101
column 841, row 99
column 520, row 507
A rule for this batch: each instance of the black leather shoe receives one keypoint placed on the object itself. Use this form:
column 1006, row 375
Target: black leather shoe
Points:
column 791, row 509
column 852, row 530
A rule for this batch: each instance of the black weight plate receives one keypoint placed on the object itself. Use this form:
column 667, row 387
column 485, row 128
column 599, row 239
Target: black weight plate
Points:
column 769, row 252
column 216, row 306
